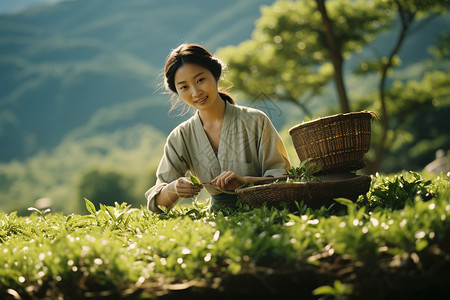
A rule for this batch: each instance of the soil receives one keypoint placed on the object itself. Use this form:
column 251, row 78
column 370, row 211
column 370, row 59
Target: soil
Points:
column 423, row 275
column 418, row 275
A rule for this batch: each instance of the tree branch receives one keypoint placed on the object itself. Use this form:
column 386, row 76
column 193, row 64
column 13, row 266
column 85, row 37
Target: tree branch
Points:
column 406, row 18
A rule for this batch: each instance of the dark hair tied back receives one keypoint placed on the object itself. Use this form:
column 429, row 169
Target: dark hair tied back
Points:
column 192, row 54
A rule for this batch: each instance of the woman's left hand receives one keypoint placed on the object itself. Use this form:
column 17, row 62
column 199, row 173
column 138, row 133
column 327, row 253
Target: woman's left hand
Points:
column 228, row 181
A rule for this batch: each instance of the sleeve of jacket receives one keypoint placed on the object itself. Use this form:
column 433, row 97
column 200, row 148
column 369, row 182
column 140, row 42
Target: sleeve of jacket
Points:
column 272, row 151
column 171, row 167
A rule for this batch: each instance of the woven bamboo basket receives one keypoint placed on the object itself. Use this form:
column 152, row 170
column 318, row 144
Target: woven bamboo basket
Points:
column 313, row 194
column 336, row 142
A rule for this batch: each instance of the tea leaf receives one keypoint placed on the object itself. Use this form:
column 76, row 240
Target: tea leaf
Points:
column 324, row 290
column 90, row 206
column 248, row 184
column 34, row 209
column 305, row 172
column 195, row 180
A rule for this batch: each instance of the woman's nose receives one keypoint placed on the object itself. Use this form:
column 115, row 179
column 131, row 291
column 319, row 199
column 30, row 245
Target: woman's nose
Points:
column 196, row 91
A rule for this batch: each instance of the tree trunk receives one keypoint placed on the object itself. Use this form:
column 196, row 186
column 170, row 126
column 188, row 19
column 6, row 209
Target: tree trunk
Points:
column 335, row 55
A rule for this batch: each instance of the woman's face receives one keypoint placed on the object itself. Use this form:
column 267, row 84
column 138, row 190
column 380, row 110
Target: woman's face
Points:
column 196, row 86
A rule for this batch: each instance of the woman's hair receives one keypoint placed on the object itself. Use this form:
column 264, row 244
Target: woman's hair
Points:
column 192, row 54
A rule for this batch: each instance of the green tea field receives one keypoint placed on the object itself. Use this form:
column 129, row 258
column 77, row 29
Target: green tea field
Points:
column 394, row 243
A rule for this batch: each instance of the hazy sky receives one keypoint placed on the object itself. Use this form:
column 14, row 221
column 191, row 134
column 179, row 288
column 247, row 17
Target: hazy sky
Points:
column 8, row 6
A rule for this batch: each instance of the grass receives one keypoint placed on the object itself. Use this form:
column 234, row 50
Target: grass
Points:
column 393, row 243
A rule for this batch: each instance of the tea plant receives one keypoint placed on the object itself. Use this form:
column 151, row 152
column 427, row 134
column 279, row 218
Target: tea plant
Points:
column 304, row 172
column 119, row 251
column 338, row 290
column 399, row 190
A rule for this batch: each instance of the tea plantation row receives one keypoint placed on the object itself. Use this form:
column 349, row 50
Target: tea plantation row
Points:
column 392, row 244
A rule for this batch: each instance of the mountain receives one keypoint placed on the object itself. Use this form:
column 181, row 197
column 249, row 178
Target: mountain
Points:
column 86, row 67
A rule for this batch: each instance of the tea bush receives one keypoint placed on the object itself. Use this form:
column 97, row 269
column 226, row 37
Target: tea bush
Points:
column 398, row 232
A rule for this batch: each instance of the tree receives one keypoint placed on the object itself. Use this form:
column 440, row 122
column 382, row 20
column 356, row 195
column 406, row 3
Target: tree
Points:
column 418, row 110
column 409, row 13
column 418, row 128
column 289, row 55
column 293, row 43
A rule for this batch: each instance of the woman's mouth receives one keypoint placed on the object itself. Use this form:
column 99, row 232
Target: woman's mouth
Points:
column 201, row 101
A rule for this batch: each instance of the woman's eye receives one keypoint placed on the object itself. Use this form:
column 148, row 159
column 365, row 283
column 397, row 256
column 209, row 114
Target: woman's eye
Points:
column 201, row 79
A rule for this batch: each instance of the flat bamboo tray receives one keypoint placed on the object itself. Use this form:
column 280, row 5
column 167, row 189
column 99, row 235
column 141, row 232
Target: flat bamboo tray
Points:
column 313, row 194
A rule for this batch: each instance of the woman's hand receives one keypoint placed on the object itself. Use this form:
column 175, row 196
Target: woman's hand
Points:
column 185, row 188
column 228, row 181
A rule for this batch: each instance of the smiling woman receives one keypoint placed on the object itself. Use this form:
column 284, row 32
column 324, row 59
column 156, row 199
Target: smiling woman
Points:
column 190, row 54
column 224, row 144
column 195, row 85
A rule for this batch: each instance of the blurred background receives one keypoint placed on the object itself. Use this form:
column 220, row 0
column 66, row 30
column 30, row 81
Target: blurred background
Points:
column 83, row 113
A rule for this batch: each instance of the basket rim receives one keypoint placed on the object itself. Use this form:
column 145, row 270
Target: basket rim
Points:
column 327, row 183
column 327, row 118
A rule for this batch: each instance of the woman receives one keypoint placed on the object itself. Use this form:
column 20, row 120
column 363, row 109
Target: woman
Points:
column 223, row 144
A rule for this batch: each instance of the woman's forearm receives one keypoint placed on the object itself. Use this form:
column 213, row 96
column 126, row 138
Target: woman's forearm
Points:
column 168, row 196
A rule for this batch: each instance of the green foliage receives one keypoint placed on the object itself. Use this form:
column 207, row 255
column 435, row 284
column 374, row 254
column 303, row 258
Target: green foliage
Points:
column 441, row 50
column 338, row 290
column 418, row 109
column 410, row 97
column 396, row 192
column 431, row 90
column 131, row 153
column 288, row 58
column 118, row 249
column 305, row 172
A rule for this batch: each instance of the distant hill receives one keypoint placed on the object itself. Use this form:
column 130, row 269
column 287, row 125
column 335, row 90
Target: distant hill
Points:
column 90, row 66
column 86, row 67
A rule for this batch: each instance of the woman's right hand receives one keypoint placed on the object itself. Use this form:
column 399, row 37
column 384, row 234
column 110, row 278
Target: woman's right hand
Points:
column 185, row 188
